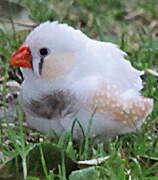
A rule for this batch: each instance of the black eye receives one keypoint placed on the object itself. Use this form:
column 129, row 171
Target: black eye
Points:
column 43, row 51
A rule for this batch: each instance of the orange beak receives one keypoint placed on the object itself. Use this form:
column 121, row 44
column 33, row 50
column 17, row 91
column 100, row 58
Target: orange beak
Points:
column 21, row 58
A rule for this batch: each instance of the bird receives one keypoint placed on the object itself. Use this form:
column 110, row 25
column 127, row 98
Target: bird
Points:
column 73, row 83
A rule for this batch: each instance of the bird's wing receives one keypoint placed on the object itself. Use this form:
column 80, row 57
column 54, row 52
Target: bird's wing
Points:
column 128, row 108
column 109, row 61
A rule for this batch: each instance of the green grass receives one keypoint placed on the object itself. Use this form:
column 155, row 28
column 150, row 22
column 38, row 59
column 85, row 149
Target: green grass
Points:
column 132, row 156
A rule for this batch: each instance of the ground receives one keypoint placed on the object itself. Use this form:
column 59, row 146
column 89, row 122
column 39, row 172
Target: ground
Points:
column 133, row 26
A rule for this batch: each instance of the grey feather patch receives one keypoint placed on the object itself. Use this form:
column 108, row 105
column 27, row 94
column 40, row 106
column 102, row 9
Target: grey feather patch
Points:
column 53, row 105
column 41, row 65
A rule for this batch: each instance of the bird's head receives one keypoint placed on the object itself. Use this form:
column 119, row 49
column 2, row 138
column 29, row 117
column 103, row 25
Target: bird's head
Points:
column 48, row 51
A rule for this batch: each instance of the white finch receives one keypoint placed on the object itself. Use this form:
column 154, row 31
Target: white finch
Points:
column 69, row 76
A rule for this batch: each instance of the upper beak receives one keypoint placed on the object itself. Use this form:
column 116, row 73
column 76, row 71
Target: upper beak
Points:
column 21, row 58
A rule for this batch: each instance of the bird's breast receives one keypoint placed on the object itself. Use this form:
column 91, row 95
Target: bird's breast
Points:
column 53, row 105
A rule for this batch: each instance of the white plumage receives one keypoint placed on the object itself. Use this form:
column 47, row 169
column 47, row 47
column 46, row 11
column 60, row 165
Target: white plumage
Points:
column 94, row 78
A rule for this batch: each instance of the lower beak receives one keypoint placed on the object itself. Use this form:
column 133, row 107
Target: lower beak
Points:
column 21, row 58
